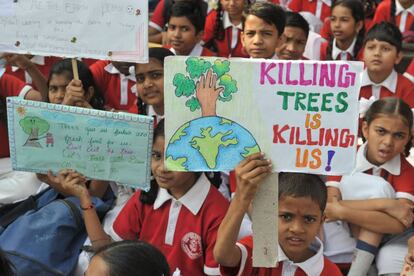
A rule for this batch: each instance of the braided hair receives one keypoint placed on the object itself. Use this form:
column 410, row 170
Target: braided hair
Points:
column 357, row 11
column 393, row 9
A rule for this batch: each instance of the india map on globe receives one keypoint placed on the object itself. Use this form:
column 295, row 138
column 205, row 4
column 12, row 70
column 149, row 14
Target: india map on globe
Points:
column 209, row 144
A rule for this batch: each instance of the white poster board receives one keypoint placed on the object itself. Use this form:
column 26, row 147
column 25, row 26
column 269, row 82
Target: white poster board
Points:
column 111, row 30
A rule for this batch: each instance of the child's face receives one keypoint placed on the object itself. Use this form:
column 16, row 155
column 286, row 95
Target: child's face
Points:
column 177, row 183
column 387, row 136
column 343, row 25
column 259, row 38
column 150, row 82
column 300, row 219
column 380, row 56
column 57, row 87
column 233, row 7
column 97, row 267
column 182, row 35
column 292, row 45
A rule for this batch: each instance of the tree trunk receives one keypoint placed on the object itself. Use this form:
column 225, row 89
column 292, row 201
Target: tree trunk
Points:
column 32, row 141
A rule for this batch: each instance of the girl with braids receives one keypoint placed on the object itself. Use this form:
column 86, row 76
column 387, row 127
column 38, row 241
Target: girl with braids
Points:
column 347, row 25
column 223, row 27
column 397, row 12
column 377, row 197
column 179, row 215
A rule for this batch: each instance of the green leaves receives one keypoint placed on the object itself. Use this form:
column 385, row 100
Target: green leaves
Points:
column 230, row 87
column 197, row 66
column 184, row 85
column 221, row 67
column 193, row 104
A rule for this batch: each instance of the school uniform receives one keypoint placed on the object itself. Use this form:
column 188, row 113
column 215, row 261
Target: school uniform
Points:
column 338, row 54
column 395, row 85
column 119, row 90
column 10, row 86
column 392, row 179
column 44, row 64
column 157, row 19
column 230, row 45
column 409, row 72
column 197, row 51
column 184, row 230
column 314, row 11
column 314, row 266
column 404, row 18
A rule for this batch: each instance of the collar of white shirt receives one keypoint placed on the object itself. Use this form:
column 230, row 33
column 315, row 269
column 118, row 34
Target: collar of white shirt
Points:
column 312, row 266
column 39, row 60
column 195, row 52
column 393, row 166
column 390, row 82
column 111, row 69
column 227, row 23
column 399, row 9
column 193, row 199
column 336, row 51
column 327, row 2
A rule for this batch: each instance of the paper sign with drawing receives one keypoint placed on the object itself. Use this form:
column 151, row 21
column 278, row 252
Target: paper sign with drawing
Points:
column 99, row 144
column 114, row 30
column 302, row 114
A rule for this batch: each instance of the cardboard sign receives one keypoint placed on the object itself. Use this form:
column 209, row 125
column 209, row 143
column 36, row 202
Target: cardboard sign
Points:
column 99, row 144
column 113, row 30
column 302, row 114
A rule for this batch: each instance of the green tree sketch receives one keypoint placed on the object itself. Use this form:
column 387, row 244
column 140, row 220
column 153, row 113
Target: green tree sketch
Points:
column 197, row 70
column 34, row 127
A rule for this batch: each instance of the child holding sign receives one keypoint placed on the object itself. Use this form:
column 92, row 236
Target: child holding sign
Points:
column 263, row 26
column 382, row 174
column 185, row 30
column 347, row 25
column 179, row 215
column 302, row 200
column 382, row 51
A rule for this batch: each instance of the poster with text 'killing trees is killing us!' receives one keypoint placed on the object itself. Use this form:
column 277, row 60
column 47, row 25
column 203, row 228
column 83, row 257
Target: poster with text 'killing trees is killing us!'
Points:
column 99, row 144
column 302, row 114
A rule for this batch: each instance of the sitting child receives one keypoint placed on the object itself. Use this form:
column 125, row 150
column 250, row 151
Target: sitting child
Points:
column 302, row 200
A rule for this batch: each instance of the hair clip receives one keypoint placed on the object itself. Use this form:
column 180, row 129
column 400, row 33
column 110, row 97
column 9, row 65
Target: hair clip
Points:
column 364, row 105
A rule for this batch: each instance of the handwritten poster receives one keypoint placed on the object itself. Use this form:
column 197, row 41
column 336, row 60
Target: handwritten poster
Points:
column 99, row 144
column 113, row 30
column 302, row 114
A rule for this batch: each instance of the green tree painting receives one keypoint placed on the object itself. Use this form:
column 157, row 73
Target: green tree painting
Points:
column 204, row 84
column 34, row 127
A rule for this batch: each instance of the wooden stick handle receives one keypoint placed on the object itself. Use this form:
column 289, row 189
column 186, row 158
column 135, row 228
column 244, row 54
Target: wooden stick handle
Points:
column 75, row 69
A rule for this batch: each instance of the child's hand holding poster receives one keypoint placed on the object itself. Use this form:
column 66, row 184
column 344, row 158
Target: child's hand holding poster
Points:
column 302, row 114
column 99, row 144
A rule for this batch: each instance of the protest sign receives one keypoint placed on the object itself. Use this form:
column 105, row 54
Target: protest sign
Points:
column 302, row 114
column 113, row 30
column 99, row 144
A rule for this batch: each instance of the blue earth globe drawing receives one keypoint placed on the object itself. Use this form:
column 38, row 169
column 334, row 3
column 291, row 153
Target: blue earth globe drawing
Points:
column 209, row 144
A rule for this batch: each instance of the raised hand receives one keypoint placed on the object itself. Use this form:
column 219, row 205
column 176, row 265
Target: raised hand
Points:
column 207, row 93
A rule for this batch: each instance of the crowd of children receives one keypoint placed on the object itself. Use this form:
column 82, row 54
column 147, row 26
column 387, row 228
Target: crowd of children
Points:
column 193, row 223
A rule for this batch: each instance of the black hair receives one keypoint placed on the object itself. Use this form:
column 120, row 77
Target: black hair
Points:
column 64, row 66
column 201, row 4
column 6, row 266
column 191, row 11
column 385, row 31
column 133, row 258
column 3, row 110
column 270, row 13
column 357, row 10
column 303, row 185
column 392, row 106
column 158, row 53
column 295, row 19
column 393, row 9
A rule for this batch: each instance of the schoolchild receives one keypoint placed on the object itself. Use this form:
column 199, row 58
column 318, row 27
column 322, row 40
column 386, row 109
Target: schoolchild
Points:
column 223, row 28
column 315, row 12
column 382, row 174
column 382, row 51
column 397, row 12
column 347, row 25
column 302, row 200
